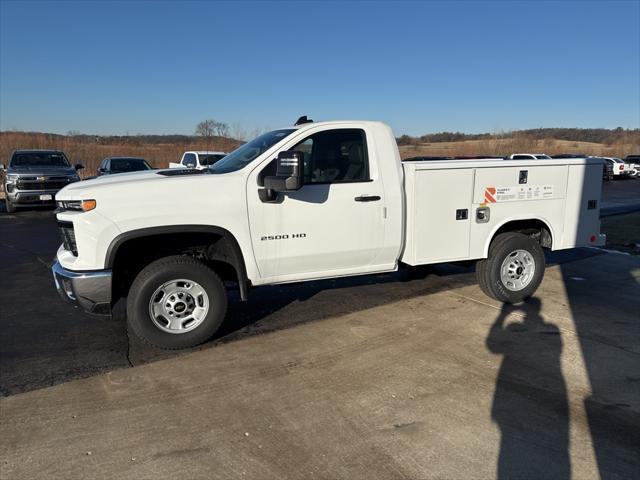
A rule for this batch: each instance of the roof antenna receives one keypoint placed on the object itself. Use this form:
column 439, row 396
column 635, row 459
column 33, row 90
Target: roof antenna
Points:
column 302, row 120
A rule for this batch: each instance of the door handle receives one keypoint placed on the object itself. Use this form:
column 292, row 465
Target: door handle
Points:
column 367, row 198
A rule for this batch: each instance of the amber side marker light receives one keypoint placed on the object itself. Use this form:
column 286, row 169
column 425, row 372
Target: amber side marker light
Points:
column 88, row 205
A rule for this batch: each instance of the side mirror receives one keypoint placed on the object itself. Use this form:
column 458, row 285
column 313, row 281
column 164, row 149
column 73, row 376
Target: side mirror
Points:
column 289, row 173
column 79, row 166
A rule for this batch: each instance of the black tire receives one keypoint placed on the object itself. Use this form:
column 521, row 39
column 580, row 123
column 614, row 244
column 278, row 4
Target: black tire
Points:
column 488, row 270
column 9, row 206
column 157, row 274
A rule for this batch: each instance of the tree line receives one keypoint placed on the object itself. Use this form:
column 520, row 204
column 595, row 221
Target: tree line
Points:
column 595, row 135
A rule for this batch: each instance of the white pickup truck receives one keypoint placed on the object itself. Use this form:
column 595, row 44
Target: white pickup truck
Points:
column 314, row 201
column 198, row 159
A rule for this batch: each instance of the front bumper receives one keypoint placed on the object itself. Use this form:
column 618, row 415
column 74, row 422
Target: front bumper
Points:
column 90, row 290
column 31, row 197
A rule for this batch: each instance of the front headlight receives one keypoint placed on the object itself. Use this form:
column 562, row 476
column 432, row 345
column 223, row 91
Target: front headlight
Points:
column 12, row 177
column 74, row 178
column 76, row 205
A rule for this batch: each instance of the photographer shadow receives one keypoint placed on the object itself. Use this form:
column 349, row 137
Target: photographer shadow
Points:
column 530, row 403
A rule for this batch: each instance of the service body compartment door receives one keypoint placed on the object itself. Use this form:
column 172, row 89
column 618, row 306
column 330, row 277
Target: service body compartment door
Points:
column 442, row 215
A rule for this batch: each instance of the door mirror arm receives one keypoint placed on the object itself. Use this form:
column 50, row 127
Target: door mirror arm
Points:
column 268, row 195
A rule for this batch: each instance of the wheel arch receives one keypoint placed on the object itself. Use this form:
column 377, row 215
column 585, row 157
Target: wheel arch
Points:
column 521, row 224
column 224, row 249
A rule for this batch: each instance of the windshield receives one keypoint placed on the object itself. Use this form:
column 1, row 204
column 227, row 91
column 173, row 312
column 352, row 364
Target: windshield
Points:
column 129, row 164
column 543, row 157
column 39, row 159
column 244, row 155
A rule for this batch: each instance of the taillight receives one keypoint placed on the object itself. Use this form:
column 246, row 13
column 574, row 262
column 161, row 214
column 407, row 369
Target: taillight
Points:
column 592, row 239
column 621, row 167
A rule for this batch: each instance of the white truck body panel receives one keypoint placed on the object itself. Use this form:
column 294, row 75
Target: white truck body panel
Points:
column 556, row 193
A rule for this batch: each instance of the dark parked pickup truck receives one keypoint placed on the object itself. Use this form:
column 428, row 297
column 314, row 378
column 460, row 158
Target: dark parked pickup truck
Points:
column 33, row 177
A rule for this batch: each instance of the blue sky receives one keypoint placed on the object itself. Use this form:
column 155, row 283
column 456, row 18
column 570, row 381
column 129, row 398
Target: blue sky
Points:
column 160, row 67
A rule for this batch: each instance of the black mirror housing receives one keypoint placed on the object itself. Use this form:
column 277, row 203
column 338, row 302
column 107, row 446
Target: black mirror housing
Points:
column 79, row 166
column 289, row 173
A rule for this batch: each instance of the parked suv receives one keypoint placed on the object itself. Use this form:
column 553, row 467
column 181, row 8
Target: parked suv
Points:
column 112, row 165
column 33, row 177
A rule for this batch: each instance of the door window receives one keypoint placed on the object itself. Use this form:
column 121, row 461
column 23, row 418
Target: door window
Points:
column 335, row 156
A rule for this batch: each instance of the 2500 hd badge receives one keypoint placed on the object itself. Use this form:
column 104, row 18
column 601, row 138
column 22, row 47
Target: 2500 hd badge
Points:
column 283, row 237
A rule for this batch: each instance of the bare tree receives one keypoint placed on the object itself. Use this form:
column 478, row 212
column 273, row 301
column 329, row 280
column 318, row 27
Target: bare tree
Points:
column 206, row 128
column 222, row 129
column 210, row 128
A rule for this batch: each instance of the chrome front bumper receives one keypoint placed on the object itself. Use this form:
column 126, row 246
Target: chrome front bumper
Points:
column 90, row 290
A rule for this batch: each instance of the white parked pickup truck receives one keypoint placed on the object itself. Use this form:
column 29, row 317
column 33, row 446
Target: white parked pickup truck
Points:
column 198, row 160
column 530, row 156
column 314, row 201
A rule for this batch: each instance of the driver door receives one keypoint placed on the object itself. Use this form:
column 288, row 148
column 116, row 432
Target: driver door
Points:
column 334, row 224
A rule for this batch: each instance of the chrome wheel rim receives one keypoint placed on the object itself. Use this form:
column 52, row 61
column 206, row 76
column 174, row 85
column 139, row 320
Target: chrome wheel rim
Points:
column 178, row 306
column 517, row 270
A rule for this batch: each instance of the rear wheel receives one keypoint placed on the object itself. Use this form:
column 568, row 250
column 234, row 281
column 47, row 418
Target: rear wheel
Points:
column 176, row 302
column 514, row 268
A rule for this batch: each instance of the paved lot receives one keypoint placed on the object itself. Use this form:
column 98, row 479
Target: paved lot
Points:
column 410, row 375
column 620, row 196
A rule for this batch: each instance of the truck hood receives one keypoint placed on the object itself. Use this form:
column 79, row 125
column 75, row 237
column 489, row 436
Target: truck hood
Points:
column 160, row 197
column 133, row 180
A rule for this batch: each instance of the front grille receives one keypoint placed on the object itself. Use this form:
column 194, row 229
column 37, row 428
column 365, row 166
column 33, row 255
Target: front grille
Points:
column 43, row 185
column 68, row 237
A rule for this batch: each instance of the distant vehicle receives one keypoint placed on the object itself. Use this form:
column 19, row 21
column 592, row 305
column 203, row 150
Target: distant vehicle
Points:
column 619, row 168
column 198, row 160
column 33, row 177
column 570, row 155
column 112, row 165
column 634, row 163
column 607, row 170
column 530, row 156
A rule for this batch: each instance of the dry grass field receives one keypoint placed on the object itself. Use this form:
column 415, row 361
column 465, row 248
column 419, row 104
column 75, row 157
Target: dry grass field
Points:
column 91, row 150
column 507, row 146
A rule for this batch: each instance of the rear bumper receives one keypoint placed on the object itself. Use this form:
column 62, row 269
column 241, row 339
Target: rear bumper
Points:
column 90, row 290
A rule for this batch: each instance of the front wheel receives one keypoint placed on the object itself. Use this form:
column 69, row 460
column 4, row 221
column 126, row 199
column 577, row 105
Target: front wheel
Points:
column 176, row 302
column 514, row 268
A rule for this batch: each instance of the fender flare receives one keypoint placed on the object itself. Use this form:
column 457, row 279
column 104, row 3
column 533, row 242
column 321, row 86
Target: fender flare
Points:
column 236, row 260
column 491, row 236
